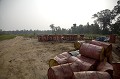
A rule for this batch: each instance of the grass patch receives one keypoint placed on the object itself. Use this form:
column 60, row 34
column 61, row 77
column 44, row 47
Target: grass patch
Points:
column 6, row 37
column 92, row 36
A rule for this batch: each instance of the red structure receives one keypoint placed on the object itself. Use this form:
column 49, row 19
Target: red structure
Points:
column 92, row 51
column 116, row 68
column 58, row 38
column 112, row 38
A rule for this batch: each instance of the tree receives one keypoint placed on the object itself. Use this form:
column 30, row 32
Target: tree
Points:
column 74, row 29
column 88, row 28
column 64, row 31
column 95, row 28
column 1, row 31
column 115, row 29
column 57, row 30
column 116, row 17
column 80, row 29
column 116, row 10
column 104, row 19
column 52, row 27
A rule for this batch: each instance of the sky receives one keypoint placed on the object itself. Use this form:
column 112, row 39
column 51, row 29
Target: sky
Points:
column 40, row 14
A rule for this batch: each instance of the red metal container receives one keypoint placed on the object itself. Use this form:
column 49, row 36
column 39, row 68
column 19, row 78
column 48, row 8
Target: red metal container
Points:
column 105, row 67
column 107, row 49
column 77, row 44
column 83, row 63
column 112, row 38
column 84, row 66
column 40, row 38
column 107, row 46
column 66, row 54
column 116, row 77
column 50, row 37
column 75, row 37
column 63, row 71
column 59, row 38
column 116, row 72
column 54, row 37
column 62, row 58
column 92, row 51
column 91, row 62
column 70, row 37
column 72, row 59
column 91, row 75
column 45, row 38
column 81, row 37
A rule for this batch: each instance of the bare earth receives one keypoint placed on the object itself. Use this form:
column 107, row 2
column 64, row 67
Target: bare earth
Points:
column 26, row 58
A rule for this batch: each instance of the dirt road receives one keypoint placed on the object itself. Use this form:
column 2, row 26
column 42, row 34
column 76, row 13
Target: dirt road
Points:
column 26, row 58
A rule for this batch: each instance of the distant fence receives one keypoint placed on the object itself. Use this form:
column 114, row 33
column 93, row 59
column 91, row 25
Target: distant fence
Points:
column 59, row 38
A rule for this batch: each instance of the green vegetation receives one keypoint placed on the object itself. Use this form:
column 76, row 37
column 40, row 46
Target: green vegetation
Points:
column 92, row 36
column 11, row 36
column 6, row 37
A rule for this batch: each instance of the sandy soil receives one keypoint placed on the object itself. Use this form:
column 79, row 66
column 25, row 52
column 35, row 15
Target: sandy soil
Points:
column 26, row 58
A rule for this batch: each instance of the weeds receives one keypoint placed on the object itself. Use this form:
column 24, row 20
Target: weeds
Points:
column 6, row 37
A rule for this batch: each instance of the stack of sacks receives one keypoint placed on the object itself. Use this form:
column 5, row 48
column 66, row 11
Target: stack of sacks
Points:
column 107, row 49
column 91, row 75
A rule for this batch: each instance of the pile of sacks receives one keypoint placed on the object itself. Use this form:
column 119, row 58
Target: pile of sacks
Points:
column 91, row 61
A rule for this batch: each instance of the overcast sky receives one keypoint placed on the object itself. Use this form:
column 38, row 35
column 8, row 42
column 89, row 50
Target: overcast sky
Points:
column 39, row 14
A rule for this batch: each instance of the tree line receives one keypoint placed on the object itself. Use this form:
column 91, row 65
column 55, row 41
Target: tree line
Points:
column 105, row 22
column 80, row 29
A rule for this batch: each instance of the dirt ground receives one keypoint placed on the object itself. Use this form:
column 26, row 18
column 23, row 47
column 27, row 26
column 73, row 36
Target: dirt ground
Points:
column 26, row 58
